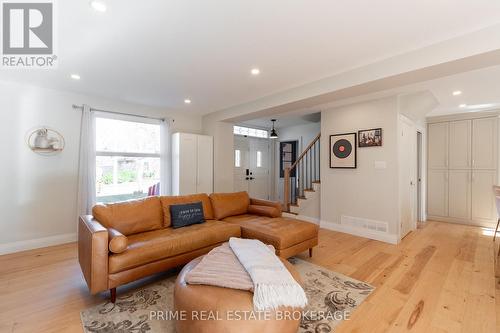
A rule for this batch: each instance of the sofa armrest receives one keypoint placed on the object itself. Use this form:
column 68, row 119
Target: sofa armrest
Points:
column 117, row 241
column 93, row 253
column 260, row 202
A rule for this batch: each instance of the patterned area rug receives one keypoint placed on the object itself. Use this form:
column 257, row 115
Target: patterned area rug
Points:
column 332, row 298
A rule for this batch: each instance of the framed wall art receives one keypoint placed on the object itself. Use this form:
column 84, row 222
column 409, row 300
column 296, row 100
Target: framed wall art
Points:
column 370, row 138
column 343, row 151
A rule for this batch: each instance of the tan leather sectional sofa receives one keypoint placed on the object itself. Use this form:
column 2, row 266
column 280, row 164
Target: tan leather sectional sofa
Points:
column 126, row 241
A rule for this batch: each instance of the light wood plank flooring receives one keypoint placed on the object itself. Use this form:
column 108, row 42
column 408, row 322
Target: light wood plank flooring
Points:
column 439, row 279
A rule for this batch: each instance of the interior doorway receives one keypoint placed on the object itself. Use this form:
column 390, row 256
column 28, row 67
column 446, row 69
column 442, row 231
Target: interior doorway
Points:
column 251, row 166
column 420, row 217
column 408, row 177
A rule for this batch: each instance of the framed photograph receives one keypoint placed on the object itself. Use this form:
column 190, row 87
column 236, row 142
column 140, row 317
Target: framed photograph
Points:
column 343, row 151
column 370, row 138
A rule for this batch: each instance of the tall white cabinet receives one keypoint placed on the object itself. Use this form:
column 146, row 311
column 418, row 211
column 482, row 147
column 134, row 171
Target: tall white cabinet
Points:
column 462, row 168
column 192, row 164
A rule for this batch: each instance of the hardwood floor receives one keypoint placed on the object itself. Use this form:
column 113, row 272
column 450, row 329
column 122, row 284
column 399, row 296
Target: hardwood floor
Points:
column 439, row 279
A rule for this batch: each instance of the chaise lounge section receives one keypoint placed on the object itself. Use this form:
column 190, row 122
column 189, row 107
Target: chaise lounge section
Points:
column 126, row 241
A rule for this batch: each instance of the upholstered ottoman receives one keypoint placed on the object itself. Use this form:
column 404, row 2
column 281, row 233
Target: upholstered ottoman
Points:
column 288, row 236
column 209, row 309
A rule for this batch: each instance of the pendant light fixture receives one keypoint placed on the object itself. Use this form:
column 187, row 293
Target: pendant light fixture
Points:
column 273, row 135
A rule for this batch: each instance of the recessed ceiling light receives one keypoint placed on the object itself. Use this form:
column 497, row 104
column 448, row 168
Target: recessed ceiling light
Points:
column 75, row 76
column 457, row 92
column 462, row 106
column 255, row 71
column 187, row 101
column 98, row 6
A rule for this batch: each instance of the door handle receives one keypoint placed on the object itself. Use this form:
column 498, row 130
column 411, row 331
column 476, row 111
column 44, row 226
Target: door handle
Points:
column 247, row 178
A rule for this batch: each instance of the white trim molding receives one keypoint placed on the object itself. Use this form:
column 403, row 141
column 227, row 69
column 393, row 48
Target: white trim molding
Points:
column 31, row 244
column 361, row 232
column 309, row 219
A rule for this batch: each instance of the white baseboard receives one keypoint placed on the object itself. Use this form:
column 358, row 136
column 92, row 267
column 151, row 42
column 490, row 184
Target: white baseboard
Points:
column 31, row 244
column 308, row 219
column 380, row 236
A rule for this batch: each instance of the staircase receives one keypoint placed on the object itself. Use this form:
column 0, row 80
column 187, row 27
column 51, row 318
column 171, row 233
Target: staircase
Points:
column 302, row 182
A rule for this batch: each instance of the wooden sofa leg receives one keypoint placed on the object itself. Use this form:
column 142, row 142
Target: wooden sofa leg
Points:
column 310, row 252
column 112, row 291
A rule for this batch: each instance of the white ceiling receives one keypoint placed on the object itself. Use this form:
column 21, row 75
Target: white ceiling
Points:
column 160, row 52
column 480, row 91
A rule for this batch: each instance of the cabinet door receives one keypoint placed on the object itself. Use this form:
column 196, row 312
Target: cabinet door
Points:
column 483, row 200
column 460, row 144
column 187, row 164
column 438, row 146
column 437, row 193
column 205, row 167
column 459, row 194
column 484, row 143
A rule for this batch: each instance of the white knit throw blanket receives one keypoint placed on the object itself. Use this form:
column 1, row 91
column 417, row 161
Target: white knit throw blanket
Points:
column 274, row 286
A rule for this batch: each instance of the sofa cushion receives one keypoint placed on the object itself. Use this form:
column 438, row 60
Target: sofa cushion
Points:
column 229, row 204
column 166, row 201
column 130, row 217
column 168, row 242
column 280, row 232
column 264, row 211
column 184, row 215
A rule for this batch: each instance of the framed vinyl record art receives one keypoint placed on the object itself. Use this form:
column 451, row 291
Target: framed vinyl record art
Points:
column 343, row 151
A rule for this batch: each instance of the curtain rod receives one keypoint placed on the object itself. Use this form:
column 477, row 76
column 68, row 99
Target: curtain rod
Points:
column 80, row 107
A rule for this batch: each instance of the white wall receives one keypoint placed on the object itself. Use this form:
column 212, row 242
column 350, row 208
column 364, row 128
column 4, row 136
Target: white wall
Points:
column 364, row 192
column 38, row 194
column 223, row 152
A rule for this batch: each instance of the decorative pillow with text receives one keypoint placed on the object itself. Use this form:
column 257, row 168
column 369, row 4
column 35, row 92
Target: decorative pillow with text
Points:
column 186, row 214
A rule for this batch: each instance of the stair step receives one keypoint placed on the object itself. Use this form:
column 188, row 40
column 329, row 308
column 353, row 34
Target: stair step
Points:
column 317, row 182
column 309, row 190
column 292, row 213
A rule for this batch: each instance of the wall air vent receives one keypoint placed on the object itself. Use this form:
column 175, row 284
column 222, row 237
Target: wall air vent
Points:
column 362, row 223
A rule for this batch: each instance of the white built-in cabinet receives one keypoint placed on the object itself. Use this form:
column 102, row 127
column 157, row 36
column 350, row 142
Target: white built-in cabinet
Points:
column 192, row 164
column 462, row 168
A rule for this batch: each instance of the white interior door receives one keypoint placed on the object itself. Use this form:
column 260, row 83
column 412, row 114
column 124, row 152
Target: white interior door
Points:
column 459, row 202
column 438, row 146
column 460, row 144
column 188, row 164
column 408, row 175
column 437, row 192
column 484, row 150
column 205, row 164
column 483, row 200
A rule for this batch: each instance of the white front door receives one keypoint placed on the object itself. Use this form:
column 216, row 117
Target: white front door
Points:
column 251, row 166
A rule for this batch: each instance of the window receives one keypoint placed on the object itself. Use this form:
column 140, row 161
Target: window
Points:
column 127, row 159
column 247, row 131
column 259, row 159
column 237, row 158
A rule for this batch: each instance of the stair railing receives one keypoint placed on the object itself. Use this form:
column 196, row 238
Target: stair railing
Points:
column 307, row 172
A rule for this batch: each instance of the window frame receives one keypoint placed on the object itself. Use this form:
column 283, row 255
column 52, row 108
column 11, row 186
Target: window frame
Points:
column 129, row 118
column 248, row 128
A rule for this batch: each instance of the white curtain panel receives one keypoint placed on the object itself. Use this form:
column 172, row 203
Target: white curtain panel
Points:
column 165, row 158
column 86, row 170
